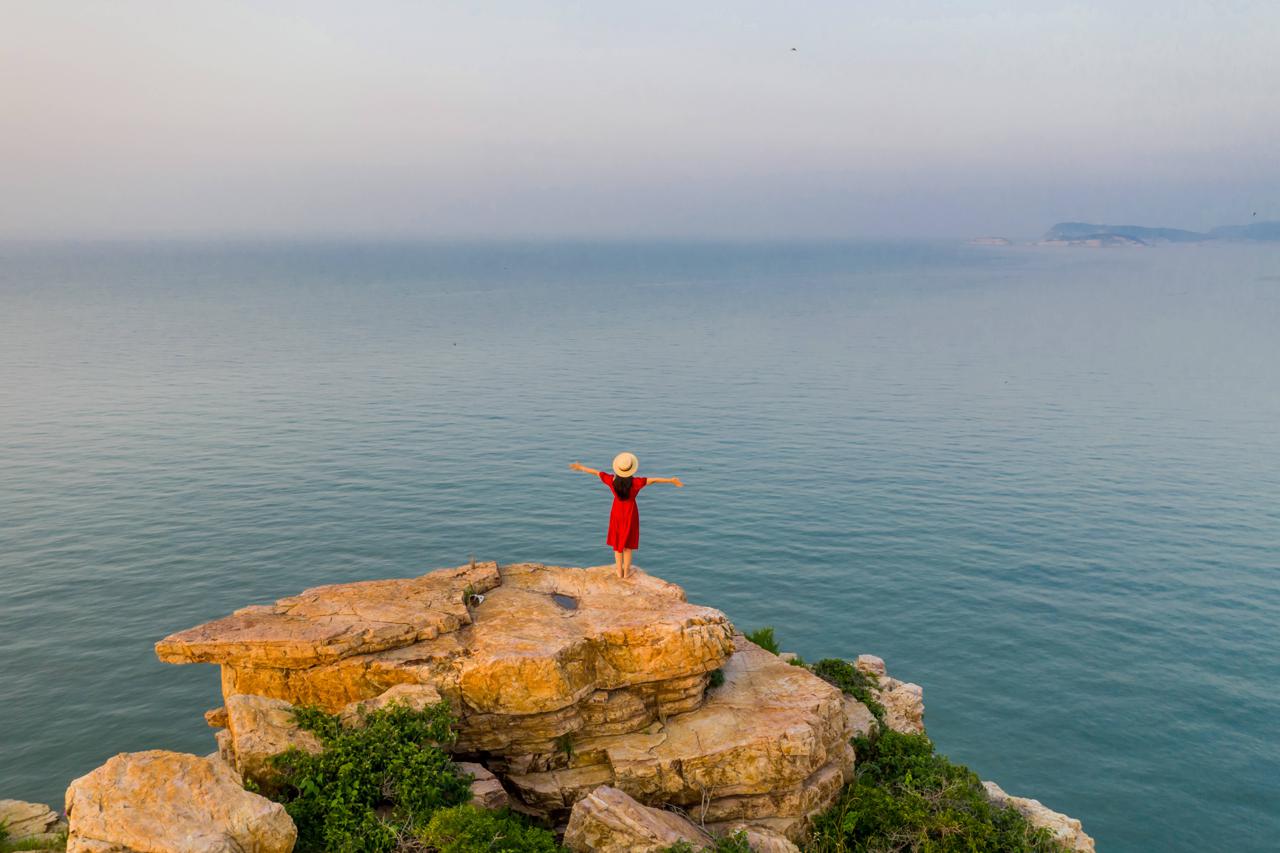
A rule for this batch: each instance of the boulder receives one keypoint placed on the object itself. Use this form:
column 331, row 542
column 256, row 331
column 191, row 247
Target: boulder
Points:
column 417, row 697
column 160, row 802
column 1067, row 831
column 608, row 821
column 862, row 722
column 30, row 821
column 260, row 728
column 486, row 790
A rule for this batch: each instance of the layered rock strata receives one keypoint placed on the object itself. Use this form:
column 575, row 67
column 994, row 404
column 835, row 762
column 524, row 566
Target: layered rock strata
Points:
column 30, row 822
column 771, row 743
column 546, row 652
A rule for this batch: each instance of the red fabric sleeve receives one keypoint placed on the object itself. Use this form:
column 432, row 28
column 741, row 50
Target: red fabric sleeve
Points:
column 638, row 483
column 606, row 478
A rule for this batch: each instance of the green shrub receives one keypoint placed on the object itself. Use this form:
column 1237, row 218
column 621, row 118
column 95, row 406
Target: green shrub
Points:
column 852, row 681
column 370, row 785
column 467, row 829
column 763, row 637
column 906, row 797
column 716, row 679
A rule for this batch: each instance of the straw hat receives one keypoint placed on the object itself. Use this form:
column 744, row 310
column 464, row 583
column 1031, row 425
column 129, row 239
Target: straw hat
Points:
column 625, row 464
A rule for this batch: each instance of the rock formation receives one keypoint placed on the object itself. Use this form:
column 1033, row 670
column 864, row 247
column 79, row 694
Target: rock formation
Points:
column 562, row 680
column 770, row 745
column 31, row 822
column 1066, row 830
column 157, row 802
column 903, row 701
column 576, row 696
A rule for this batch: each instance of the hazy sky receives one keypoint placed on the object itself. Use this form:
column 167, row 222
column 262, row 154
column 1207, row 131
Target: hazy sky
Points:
column 616, row 119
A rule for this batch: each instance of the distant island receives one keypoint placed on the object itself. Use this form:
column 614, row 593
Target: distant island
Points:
column 1089, row 235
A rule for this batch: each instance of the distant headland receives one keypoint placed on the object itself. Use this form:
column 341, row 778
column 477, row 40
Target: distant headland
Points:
column 1089, row 235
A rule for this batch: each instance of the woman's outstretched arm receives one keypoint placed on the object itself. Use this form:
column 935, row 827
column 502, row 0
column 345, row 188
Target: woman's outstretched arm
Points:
column 675, row 481
column 578, row 466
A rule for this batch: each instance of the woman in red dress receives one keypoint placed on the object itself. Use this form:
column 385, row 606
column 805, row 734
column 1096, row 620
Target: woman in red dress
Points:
column 624, row 518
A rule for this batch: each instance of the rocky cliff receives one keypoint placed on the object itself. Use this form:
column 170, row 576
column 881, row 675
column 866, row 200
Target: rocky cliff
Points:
column 589, row 702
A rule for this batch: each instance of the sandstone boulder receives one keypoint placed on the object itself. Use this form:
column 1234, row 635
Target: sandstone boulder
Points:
column 160, row 802
column 261, row 727
column 416, row 697
column 608, row 821
column 486, row 790
column 1068, row 831
column 30, row 821
column 862, row 723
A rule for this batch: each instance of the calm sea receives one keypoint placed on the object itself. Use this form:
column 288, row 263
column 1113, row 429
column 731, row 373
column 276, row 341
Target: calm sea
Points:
column 1044, row 484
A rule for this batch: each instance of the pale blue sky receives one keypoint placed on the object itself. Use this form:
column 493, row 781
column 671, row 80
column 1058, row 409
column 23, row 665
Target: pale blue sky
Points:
column 603, row 119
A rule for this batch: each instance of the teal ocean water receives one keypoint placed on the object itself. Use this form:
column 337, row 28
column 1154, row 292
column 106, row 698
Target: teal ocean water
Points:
column 1043, row 484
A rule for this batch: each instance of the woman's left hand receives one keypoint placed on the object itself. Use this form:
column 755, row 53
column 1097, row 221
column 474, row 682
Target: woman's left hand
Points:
column 675, row 481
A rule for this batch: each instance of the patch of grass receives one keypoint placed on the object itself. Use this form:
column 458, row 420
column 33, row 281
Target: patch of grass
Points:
column 716, row 678
column 371, row 786
column 906, row 797
column 10, row 845
column 467, row 829
column 851, row 680
column 564, row 743
column 763, row 637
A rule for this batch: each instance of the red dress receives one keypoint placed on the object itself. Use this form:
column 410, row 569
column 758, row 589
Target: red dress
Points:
column 624, row 518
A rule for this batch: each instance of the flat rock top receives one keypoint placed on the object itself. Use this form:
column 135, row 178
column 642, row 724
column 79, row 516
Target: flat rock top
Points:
column 548, row 636
column 328, row 623
column 542, row 637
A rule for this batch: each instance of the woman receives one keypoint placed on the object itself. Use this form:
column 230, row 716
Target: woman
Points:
column 624, row 518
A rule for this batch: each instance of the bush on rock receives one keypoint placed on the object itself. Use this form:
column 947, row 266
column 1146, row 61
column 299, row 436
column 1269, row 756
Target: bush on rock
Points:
column 371, row 786
column 907, row 797
column 852, row 681
column 467, row 829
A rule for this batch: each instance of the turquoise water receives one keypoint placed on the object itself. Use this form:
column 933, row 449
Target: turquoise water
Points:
column 1043, row 484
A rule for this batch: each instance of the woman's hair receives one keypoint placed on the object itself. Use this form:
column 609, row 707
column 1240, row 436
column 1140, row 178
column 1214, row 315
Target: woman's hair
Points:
column 622, row 487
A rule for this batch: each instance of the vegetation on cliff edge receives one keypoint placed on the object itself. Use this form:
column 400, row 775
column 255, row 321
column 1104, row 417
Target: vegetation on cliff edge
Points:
column 386, row 786
column 906, row 797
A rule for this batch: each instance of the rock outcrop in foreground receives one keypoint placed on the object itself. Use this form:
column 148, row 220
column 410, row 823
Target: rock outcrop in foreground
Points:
column 562, row 680
column 577, row 696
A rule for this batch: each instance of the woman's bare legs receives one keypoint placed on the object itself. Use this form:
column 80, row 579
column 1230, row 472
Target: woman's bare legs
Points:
column 626, row 563
column 617, row 563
